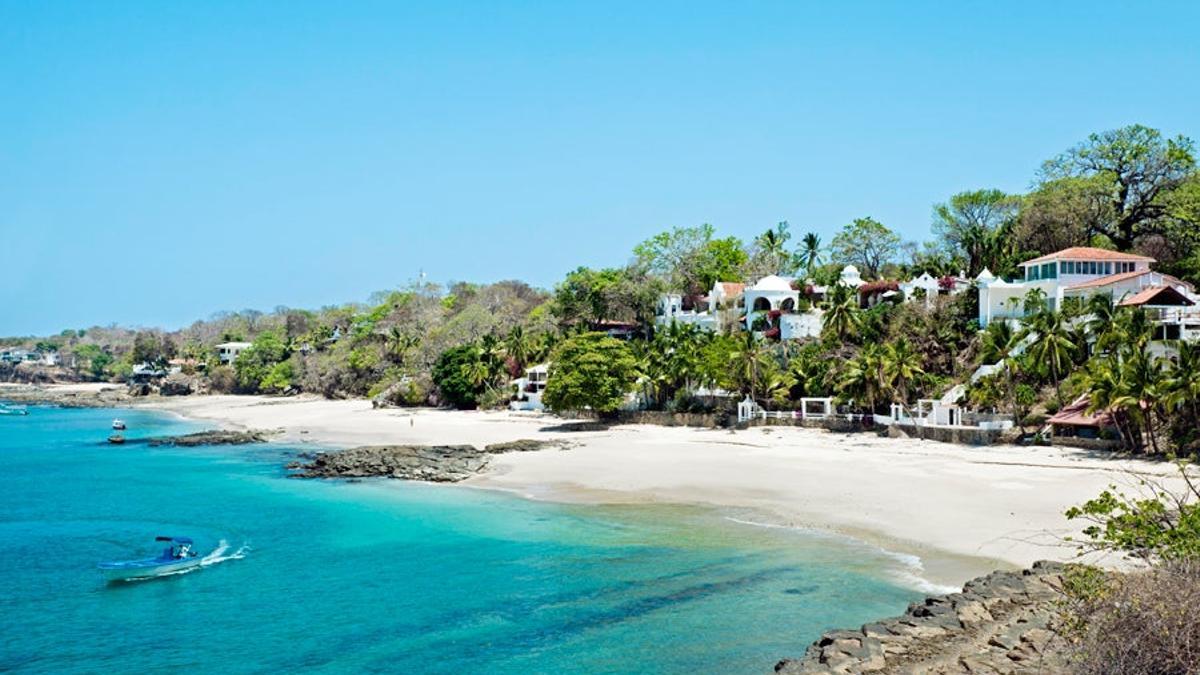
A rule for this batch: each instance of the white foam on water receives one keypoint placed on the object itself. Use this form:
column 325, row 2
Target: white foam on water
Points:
column 220, row 554
column 909, row 572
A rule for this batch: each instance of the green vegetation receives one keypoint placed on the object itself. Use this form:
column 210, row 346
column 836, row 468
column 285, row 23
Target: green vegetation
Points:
column 462, row 344
column 590, row 371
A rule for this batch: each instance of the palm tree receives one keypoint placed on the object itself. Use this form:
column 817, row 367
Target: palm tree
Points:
column 518, row 346
column 901, row 366
column 997, row 342
column 1100, row 322
column 861, row 378
column 1051, row 346
column 399, row 343
column 843, row 318
column 1183, row 383
column 810, row 252
column 751, row 357
column 772, row 243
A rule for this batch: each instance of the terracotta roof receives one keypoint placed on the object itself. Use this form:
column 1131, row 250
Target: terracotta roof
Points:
column 732, row 288
column 1125, row 276
column 1110, row 279
column 1076, row 415
column 1088, row 253
column 1151, row 296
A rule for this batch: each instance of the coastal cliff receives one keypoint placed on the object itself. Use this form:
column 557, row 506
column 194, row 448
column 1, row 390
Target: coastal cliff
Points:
column 1002, row 622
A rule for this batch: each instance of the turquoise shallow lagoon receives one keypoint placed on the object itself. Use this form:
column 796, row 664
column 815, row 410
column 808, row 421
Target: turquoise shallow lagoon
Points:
column 387, row 576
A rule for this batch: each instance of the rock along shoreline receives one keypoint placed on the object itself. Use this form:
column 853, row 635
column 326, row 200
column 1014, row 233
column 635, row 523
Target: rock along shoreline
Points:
column 1002, row 622
column 432, row 463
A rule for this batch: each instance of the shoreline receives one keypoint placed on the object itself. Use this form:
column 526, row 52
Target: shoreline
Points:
column 961, row 511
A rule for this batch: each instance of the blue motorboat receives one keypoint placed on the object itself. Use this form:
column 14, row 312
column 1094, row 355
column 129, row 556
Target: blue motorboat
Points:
column 175, row 558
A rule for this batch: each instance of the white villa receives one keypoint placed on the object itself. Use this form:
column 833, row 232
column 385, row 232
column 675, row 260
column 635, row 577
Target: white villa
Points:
column 527, row 390
column 1082, row 272
column 227, row 352
column 736, row 306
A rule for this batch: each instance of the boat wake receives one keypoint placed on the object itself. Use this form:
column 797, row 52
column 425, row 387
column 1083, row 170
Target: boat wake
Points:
column 221, row 553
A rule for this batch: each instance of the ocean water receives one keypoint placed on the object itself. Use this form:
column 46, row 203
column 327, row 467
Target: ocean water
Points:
column 330, row 576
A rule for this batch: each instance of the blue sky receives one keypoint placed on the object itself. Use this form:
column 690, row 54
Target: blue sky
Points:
column 163, row 161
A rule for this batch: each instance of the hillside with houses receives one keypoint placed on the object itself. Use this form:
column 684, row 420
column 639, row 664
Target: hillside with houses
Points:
column 1069, row 312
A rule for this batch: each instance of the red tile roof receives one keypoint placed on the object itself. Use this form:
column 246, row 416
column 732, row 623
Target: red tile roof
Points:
column 1151, row 296
column 1110, row 279
column 732, row 288
column 1089, row 253
column 1076, row 415
column 1124, row 276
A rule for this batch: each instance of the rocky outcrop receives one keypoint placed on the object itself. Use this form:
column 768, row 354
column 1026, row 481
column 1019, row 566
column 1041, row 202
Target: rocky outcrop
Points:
column 215, row 438
column 1000, row 623
column 107, row 397
column 434, row 463
column 179, row 384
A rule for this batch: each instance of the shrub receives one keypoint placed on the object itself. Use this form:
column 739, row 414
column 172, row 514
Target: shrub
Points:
column 449, row 376
column 222, row 379
column 1137, row 623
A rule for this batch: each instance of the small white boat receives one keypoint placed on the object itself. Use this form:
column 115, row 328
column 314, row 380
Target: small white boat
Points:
column 177, row 557
column 118, row 425
column 12, row 410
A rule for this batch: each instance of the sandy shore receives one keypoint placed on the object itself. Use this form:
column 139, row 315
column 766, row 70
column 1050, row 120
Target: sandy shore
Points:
column 962, row 510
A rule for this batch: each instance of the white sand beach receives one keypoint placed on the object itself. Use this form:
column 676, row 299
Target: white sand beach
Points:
column 962, row 510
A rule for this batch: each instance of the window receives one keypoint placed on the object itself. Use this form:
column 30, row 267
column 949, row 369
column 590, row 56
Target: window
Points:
column 1108, row 268
column 1070, row 267
column 1092, row 267
column 1031, row 273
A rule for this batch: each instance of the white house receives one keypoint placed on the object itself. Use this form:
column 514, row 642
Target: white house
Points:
column 528, row 390
column 711, row 311
column 1078, row 271
column 771, row 292
column 227, row 352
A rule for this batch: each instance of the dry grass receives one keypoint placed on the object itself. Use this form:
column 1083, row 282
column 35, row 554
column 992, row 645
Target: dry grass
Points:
column 1141, row 623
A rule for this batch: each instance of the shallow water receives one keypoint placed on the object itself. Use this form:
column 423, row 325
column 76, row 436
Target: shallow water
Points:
column 384, row 575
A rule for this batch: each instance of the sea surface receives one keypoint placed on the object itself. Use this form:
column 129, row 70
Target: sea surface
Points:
column 385, row 576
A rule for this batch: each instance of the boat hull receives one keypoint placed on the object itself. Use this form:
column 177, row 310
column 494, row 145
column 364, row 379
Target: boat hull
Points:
column 146, row 569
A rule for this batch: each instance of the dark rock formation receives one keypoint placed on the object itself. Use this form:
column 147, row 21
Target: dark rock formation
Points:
column 1000, row 623
column 434, row 463
column 214, row 438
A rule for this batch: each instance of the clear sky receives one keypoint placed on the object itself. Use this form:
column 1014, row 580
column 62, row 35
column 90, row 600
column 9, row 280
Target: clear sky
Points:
column 161, row 161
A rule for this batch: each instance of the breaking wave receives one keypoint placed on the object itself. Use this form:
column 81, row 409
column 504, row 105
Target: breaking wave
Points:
column 908, row 572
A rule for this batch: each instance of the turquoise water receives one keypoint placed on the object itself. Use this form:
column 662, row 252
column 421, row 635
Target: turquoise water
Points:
column 384, row 575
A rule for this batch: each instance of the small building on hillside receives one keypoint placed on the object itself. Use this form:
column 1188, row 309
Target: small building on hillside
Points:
column 771, row 293
column 528, row 390
column 227, row 352
column 712, row 312
column 1073, row 421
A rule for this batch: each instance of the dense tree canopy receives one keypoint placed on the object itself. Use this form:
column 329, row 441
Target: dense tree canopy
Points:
column 1131, row 170
column 867, row 244
column 590, row 371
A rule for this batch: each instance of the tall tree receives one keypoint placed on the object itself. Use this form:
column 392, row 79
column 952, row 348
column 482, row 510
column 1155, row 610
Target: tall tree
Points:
column 866, row 243
column 590, row 371
column 809, row 255
column 1132, row 169
column 770, row 255
column 689, row 259
column 967, row 224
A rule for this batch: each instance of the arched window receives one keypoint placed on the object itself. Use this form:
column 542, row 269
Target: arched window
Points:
column 762, row 305
column 788, row 305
